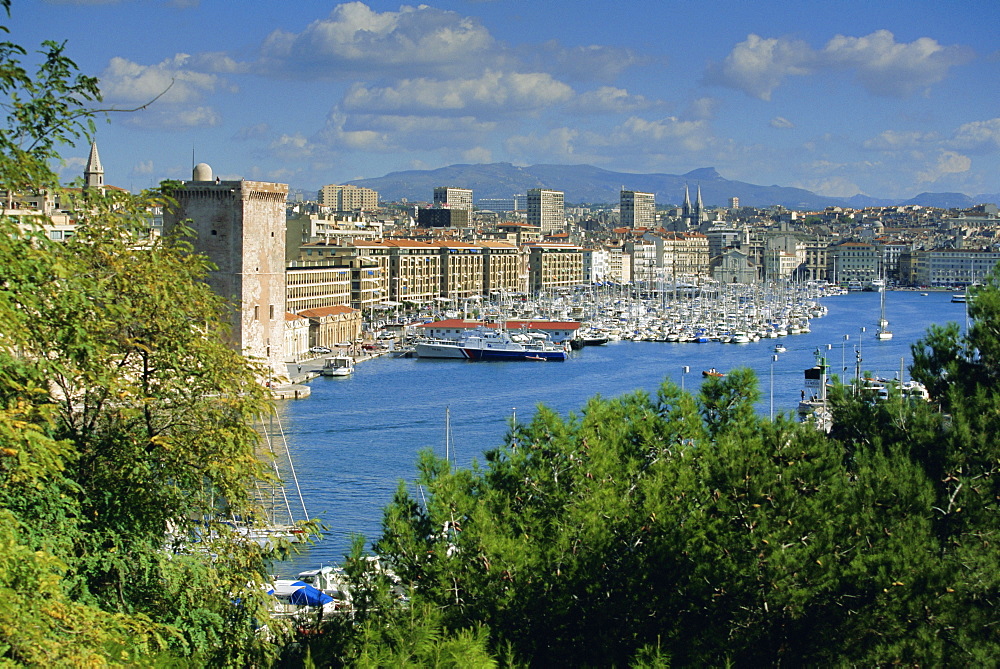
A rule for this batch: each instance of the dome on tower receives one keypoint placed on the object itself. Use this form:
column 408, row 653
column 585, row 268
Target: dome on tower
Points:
column 202, row 172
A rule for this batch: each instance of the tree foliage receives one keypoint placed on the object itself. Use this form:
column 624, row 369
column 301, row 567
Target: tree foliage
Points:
column 126, row 424
column 690, row 530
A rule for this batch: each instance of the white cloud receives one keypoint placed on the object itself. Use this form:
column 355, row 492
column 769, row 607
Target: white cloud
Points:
column 174, row 118
column 581, row 63
column 883, row 66
column 703, row 108
column 610, row 99
column 832, row 186
column 892, row 140
column 143, row 167
column 757, row 65
column 127, row 82
column 355, row 40
column 671, row 132
column 888, row 68
column 477, row 154
column 256, row 131
column 980, row 136
column 292, row 147
column 493, row 92
column 781, row 122
column 948, row 162
column 557, row 144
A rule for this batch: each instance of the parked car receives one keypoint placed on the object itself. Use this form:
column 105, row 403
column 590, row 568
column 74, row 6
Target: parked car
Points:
column 320, row 349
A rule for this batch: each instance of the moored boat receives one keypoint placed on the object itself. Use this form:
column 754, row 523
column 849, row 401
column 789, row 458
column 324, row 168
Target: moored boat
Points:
column 488, row 344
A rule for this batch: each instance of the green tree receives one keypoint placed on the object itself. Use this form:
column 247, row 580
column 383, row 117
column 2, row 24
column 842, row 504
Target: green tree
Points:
column 126, row 424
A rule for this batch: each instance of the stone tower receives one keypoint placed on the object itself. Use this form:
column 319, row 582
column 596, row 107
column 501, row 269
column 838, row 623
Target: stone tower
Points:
column 93, row 172
column 240, row 226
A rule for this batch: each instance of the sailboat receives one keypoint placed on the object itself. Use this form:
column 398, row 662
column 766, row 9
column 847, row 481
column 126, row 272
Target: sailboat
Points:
column 883, row 333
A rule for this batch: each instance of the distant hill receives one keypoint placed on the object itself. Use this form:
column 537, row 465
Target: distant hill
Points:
column 589, row 184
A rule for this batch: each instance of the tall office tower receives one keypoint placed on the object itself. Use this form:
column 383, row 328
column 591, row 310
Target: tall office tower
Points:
column 453, row 198
column 240, row 226
column 546, row 209
column 638, row 210
column 734, row 203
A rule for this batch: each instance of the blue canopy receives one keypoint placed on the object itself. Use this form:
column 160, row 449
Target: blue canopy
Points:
column 307, row 595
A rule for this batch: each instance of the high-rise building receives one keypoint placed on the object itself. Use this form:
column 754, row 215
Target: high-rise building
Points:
column 240, row 227
column 347, row 197
column 453, row 198
column 546, row 209
column 638, row 210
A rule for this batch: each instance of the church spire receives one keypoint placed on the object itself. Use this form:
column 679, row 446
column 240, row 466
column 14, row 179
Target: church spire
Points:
column 93, row 173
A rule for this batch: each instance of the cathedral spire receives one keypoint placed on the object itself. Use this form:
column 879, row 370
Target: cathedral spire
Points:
column 93, row 173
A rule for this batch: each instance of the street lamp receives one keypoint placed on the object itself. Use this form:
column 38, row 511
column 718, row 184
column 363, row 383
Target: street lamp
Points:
column 843, row 359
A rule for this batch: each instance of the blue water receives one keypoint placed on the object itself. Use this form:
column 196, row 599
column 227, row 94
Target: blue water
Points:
column 355, row 438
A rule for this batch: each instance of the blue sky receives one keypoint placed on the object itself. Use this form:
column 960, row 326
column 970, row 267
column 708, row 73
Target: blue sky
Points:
column 888, row 99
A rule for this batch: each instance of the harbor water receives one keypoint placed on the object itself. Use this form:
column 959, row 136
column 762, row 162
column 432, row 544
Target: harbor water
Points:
column 355, row 438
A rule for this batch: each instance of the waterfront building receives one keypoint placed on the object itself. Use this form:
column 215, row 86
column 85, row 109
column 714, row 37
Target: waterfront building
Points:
column 644, row 257
column 330, row 326
column 240, row 226
column 554, row 266
column 502, row 269
column 453, row 198
column 335, row 229
column 519, row 234
column 462, row 273
column 348, row 197
column 595, row 265
column 414, row 271
column 546, row 209
column 815, row 266
column 368, row 262
column 954, row 267
column 854, row 262
column 296, row 337
column 619, row 264
column 734, row 266
column 637, row 209
column 721, row 238
column 315, row 286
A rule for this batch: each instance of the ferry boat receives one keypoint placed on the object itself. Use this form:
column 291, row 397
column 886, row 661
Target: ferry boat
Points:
column 342, row 365
column 489, row 344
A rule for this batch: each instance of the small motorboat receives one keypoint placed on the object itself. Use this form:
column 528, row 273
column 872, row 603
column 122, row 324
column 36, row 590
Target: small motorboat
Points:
column 712, row 372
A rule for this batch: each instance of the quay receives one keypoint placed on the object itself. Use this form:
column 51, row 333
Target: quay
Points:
column 300, row 373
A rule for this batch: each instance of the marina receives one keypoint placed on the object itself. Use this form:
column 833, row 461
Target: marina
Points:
column 355, row 439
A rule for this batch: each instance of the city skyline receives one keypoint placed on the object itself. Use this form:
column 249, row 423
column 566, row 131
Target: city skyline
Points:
column 886, row 99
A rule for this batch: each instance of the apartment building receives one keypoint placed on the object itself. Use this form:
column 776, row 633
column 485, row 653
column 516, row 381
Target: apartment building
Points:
column 546, row 210
column 554, row 266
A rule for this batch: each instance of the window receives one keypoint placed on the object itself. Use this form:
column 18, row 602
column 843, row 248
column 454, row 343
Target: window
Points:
column 256, row 312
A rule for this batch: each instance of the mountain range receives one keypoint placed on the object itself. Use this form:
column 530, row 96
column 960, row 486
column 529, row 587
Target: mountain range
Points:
column 588, row 184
